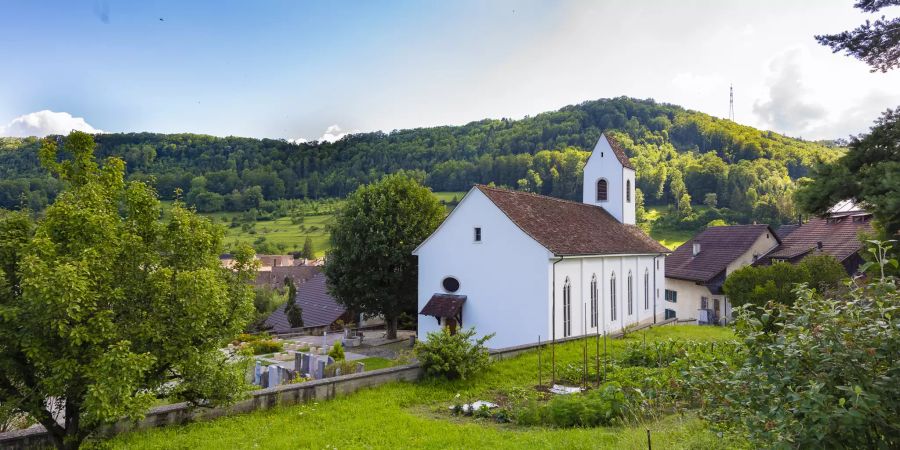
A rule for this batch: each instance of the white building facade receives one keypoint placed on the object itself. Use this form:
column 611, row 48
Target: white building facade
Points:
column 529, row 267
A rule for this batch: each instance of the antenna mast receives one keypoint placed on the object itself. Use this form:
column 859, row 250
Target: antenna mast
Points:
column 731, row 102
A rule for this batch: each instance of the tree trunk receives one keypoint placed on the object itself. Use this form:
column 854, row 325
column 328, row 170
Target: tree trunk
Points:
column 391, row 323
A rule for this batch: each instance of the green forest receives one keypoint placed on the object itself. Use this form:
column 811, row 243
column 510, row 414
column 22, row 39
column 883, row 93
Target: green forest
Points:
column 707, row 169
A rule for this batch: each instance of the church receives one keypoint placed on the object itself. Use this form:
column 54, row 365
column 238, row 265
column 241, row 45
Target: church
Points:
column 528, row 267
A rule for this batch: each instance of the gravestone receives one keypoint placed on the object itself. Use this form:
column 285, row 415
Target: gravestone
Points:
column 264, row 377
column 360, row 367
column 298, row 362
column 274, row 376
column 257, row 374
column 306, row 363
column 320, row 368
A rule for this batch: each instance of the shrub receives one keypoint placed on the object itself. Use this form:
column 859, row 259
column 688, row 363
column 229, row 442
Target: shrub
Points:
column 337, row 351
column 340, row 367
column 453, row 356
column 819, row 374
column 607, row 405
column 263, row 346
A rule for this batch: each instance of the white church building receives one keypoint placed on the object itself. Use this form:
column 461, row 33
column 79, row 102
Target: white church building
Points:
column 527, row 266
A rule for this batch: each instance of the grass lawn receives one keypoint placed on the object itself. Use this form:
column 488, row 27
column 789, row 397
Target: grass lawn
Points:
column 375, row 362
column 415, row 415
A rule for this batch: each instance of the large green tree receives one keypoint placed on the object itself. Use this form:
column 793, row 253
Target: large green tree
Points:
column 103, row 307
column 869, row 174
column 371, row 268
column 877, row 43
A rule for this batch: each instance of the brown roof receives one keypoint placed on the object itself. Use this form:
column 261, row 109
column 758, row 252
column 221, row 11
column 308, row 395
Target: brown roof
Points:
column 719, row 246
column 570, row 228
column 838, row 236
column 443, row 305
column 620, row 152
column 319, row 308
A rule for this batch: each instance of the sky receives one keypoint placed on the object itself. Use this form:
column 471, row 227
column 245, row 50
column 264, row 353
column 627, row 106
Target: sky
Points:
column 315, row 70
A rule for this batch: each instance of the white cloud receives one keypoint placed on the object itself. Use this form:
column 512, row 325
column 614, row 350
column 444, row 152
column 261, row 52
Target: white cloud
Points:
column 42, row 123
column 790, row 107
column 333, row 133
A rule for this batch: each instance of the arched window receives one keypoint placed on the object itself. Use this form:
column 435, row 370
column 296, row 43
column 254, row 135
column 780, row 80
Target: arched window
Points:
column 628, row 191
column 630, row 295
column 567, row 308
column 594, row 301
column 602, row 191
column 646, row 289
column 612, row 297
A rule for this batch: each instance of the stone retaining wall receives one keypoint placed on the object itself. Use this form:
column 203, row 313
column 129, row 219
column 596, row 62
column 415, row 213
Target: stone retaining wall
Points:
column 286, row 394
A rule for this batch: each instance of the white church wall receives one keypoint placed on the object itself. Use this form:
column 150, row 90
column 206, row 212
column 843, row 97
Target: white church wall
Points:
column 628, row 208
column 580, row 271
column 503, row 276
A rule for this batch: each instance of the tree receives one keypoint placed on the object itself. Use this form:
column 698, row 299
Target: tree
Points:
column 684, row 207
column 757, row 285
column 640, row 212
column 308, row 252
column 103, row 307
column 877, row 44
column 371, row 268
column 867, row 174
column 291, row 308
column 711, row 199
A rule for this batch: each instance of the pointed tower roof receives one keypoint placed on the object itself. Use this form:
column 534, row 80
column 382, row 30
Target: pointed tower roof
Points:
column 619, row 152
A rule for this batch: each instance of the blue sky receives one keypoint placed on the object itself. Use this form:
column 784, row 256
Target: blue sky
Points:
column 303, row 69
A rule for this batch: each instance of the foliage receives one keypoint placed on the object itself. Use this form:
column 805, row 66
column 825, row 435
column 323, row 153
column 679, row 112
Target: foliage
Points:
column 265, row 301
column 264, row 346
column 391, row 217
column 453, row 356
column 866, row 174
column 543, row 154
column 821, row 373
column 757, row 285
column 308, row 251
column 104, row 307
column 340, row 367
column 292, row 310
column 877, row 44
column 604, row 406
column 337, row 351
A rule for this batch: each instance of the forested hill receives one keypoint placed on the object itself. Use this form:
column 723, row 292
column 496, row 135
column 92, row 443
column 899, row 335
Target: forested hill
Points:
column 681, row 157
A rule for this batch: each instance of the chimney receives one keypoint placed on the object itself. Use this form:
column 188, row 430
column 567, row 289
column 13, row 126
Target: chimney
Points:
column 696, row 248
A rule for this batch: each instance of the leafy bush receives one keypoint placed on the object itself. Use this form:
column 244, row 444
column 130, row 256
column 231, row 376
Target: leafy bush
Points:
column 453, row 356
column 607, row 405
column 263, row 346
column 822, row 373
column 342, row 367
column 337, row 351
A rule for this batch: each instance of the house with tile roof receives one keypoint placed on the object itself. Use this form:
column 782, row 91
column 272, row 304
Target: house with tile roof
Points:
column 529, row 267
column 320, row 309
column 696, row 271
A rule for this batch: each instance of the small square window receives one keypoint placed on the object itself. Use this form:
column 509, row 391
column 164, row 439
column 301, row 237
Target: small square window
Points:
column 477, row 234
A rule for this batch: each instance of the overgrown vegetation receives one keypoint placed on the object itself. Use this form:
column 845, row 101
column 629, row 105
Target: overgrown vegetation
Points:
column 820, row 373
column 758, row 285
column 453, row 356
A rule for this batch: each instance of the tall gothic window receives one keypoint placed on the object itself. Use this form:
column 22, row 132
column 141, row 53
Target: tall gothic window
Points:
column 612, row 297
column 646, row 289
column 567, row 308
column 628, row 191
column 594, row 301
column 602, row 191
column 630, row 295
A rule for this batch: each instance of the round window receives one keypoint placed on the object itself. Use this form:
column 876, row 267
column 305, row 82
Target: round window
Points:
column 450, row 284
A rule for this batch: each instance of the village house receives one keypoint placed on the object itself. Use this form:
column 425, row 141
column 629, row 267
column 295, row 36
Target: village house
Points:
column 527, row 266
column 696, row 270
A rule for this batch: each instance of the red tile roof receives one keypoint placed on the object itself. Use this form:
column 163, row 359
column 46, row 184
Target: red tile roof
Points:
column 570, row 228
column 619, row 152
column 719, row 246
column 838, row 236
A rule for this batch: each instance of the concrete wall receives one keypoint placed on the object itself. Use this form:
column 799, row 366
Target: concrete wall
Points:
column 504, row 276
column 581, row 270
column 604, row 164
